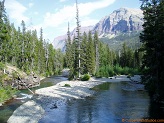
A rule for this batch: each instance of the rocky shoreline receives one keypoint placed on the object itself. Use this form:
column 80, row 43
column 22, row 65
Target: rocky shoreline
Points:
column 55, row 96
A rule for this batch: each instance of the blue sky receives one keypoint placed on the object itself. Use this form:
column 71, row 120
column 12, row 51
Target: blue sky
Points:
column 53, row 15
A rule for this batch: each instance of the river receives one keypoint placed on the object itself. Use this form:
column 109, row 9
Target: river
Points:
column 23, row 96
column 112, row 103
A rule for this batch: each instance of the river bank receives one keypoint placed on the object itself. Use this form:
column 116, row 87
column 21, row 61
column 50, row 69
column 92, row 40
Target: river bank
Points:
column 54, row 97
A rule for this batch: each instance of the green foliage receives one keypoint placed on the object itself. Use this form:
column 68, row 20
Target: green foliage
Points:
column 96, row 58
column 97, row 74
column 14, row 75
column 6, row 93
column 67, row 85
column 86, row 77
column 29, row 53
column 131, row 39
column 108, row 71
column 2, row 66
column 71, row 74
column 152, row 38
column 118, row 70
column 90, row 54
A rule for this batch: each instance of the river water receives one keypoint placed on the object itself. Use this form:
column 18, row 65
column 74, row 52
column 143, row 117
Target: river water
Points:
column 24, row 95
column 112, row 103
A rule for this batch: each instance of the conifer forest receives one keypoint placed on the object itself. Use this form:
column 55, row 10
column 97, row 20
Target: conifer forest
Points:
column 85, row 53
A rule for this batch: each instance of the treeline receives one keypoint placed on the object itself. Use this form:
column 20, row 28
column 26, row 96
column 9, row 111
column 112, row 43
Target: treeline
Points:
column 21, row 47
column 86, row 54
column 131, row 39
column 152, row 38
column 96, row 58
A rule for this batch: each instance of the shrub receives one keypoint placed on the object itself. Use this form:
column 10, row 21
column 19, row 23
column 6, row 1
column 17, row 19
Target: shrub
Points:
column 98, row 74
column 110, row 71
column 118, row 69
column 86, row 77
column 67, row 85
column 14, row 75
column 2, row 66
column 125, row 71
column 6, row 93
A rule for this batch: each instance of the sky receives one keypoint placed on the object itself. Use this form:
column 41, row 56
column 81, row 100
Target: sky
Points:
column 53, row 15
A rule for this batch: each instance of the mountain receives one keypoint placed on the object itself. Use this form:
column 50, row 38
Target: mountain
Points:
column 131, row 39
column 59, row 42
column 121, row 21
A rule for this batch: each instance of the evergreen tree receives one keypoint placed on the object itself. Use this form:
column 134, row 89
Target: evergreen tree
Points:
column 84, row 54
column 96, row 44
column 78, row 43
column 58, row 61
column 68, row 54
column 51, row 59
column 90, row 55
column 152, row 39
column 3, row 32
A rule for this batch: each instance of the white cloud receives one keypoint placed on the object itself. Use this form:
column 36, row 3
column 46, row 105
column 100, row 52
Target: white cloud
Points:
column 16, row 10
column 68, row 13
column 88, row 8
column 63, row 15
column 88, row 22
column 30, row 5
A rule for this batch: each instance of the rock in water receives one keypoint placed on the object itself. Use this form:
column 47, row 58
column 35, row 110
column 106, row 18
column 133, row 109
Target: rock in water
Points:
column 29, row 112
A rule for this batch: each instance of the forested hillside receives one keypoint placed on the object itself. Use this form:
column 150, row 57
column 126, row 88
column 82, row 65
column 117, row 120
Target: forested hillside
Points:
column 21, row 47
column 131, row 39
column 122, row 25
column 86, row 54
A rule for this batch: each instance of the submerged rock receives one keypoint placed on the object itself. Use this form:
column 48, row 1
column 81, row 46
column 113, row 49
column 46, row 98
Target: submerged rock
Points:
column 54, row 106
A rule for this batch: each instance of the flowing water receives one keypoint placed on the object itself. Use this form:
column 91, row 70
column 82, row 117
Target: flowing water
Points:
column 24, row 95
column 112, row 103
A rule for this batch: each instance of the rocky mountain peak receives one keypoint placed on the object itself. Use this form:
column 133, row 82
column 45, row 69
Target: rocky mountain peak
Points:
column 121, row 20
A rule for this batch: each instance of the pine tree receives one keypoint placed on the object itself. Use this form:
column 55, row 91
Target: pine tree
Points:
column 96, row 44
column 68, row 54
column 90, row 55
column 77, row 63
column 51, row 58
column 33, row 55
column 152, row 39
column 3, row 32
column 84, row 54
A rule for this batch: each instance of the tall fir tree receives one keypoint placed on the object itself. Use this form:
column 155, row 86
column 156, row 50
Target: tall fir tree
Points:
column 77, row 62
column 68, row 54
column 96, row 46
column 90, row 55
column 84, row 55
column 152, row 38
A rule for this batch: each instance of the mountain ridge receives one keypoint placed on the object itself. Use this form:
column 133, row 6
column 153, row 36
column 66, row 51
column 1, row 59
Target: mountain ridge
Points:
column 122, row 20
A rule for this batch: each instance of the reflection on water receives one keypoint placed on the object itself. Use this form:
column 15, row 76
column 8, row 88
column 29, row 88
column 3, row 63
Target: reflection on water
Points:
column 107, row 106
column 23, row 96
column 111, row 103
